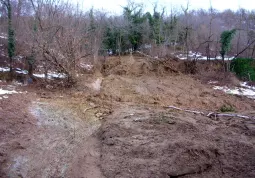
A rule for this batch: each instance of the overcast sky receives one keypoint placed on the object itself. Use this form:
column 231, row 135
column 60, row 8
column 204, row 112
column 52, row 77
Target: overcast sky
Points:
column 115, row 5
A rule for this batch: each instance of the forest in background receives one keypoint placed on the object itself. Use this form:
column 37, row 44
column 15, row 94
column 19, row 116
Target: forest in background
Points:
column 57, row 35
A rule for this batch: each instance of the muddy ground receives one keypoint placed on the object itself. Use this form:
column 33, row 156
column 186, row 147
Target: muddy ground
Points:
column 118, row 125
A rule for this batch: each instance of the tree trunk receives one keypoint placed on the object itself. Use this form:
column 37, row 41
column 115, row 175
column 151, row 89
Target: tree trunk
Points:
column 253, row 50
column 30, row 70
column 11, row 44
column 11, row 69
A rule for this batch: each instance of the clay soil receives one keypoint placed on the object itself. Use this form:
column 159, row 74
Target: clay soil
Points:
column 123, row 128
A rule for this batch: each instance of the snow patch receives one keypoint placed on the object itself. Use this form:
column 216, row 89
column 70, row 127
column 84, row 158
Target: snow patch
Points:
column 212, row 82
column 244, row 90
column 86, row 66
column 3, row 37
column 3, row 92
column 17, row 70
column 4, row 69
column 245, row 84
column 199, row 56
column 51, row 75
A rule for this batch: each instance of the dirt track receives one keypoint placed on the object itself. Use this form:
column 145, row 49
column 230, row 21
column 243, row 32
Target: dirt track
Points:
column 122, row 130
column 48, row 140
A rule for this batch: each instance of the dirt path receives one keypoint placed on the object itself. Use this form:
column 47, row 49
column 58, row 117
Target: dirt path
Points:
column 58, row 143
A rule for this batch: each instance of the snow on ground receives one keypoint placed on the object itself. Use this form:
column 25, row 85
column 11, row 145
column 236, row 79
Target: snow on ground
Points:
column 51, row 75
column 3, row 37
column 18, row 70
column 212, row 82
column 4, row 69
column 3, row 92
column 245, row 84
column 244, row 90
column 86, row 66
column 199, row 56
column 9, row 90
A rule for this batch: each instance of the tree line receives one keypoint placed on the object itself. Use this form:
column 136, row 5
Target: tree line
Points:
column 58, row 35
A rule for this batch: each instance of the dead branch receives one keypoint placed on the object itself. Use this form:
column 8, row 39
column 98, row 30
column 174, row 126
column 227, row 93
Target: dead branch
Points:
column 245, row 48
column 212, row 114
column 186, row 110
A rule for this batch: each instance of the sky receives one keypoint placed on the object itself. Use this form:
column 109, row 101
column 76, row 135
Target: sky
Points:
column 114, row 6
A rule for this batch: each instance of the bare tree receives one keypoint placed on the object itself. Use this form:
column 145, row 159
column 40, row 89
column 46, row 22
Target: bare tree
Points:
column 11, row 37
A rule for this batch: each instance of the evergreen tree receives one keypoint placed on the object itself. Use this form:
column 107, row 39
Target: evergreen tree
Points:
column 225, row 40
column 135, row 18
column 156, row 23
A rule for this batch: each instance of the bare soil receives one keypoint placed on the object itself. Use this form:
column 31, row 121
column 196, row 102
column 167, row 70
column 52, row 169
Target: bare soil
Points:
column 117, row 125
column 138, row 141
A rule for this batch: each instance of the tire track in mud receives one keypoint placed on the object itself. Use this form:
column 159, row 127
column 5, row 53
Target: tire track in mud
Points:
column 61, row 138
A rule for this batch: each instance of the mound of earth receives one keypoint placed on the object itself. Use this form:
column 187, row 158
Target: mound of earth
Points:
column 144, row 142
column 178, row 90
column 136, row 65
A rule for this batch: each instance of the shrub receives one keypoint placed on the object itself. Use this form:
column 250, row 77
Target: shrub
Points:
column 244, row 68
column 227, row 108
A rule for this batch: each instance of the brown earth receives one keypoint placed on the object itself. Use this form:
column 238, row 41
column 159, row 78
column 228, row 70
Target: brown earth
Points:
column 117, row 125
column 138, row 141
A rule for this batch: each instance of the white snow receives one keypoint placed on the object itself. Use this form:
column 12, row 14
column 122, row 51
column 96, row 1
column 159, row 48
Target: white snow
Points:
column 86, row 66
column 212, row 82
column 22, row 72
column 244, row 90
column 4, row 37
column 51, row 75
column 17, row 70
column 198, row 56
column 244, row 84
column 19, row 57
column 3, row 92
column 4, row 69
